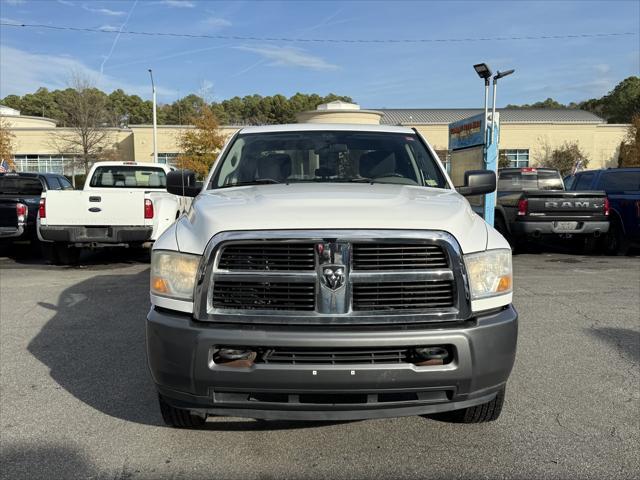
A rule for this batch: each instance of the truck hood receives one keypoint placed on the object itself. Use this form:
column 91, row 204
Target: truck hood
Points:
column 318, row 206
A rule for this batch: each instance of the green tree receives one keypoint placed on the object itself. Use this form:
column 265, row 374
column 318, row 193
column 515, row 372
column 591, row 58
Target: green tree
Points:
column 630, row 148
column 126, row 109
column 623, row 102
column 548, row 103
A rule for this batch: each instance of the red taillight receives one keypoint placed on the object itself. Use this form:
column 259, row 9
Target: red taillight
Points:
column 606, row 207
column 21, row 212
column 523, row 206
column 42, row 209
column 528, row 170
column 148, row 209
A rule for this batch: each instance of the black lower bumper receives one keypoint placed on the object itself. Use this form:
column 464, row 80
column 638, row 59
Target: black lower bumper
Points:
column 106, row 234
column 555, row 228
column 180, row 359
column 11, row 232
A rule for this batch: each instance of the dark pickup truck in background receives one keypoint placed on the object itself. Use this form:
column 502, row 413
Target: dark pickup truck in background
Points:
column 622, row 186
column 532, row 203
column 20, row 199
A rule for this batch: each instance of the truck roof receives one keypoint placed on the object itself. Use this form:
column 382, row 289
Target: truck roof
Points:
column 119, row 163
column 302, row 127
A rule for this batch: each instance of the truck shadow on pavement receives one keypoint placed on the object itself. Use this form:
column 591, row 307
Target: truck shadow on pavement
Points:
column 48, row 461
column 94, row 346
column 626, row 341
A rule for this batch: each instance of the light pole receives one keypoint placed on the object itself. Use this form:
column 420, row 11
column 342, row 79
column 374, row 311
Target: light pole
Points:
column 496, row 77
column 483, row 71
column 155, row 120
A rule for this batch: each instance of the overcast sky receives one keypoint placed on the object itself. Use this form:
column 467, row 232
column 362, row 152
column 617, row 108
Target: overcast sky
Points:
column 386, row 74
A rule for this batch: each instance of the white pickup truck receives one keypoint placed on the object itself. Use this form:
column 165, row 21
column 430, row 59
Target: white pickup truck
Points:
column 330, row 272
column 121, row 204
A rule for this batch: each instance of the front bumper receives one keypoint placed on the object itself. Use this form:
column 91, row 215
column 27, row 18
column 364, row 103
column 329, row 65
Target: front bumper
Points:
column 179, row 355
column 106, row 234
column 549, row 228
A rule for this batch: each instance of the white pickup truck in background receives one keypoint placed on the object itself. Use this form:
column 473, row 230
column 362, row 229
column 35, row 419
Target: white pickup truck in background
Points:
column 121, row 204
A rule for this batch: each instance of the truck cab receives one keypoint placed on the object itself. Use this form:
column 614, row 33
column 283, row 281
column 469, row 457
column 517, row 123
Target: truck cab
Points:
column 330, row 272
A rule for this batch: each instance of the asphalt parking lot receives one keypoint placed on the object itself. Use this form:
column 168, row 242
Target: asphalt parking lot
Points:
column 77, row 400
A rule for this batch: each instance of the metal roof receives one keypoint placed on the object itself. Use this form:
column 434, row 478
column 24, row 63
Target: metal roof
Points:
column 302, row 127
column 426, row 116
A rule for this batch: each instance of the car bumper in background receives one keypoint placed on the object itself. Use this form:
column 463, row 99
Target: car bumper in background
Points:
column 82, row 234
column 11, row 232
column 180, row 359
column 551, row 228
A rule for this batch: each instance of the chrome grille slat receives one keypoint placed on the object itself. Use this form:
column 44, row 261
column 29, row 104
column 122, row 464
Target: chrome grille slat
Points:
column 262, row 295
column 397, row 256
column 266, row 256
column 403, row 295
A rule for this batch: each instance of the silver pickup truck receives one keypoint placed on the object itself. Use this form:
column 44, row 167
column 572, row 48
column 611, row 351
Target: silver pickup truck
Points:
column 330, row 272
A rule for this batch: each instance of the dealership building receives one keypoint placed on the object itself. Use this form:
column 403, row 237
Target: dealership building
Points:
column 526, row 135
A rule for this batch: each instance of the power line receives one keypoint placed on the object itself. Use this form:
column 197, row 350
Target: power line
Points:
column 320, row 40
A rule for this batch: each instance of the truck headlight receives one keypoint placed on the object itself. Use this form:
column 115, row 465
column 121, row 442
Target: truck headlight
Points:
column 489, row 273
column 173, row 274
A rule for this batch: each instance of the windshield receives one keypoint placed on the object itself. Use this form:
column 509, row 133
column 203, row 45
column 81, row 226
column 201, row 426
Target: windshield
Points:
column 516, row 181
column 120, row 176
column 328, row 156
column 20, row 186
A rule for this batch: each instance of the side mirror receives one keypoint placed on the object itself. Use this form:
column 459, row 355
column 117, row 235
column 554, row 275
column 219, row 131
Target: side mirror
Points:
column 478, row 182
column 183, row 183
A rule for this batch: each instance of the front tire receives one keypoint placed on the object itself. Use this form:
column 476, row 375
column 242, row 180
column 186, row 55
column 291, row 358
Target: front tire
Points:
column 179, row 417
column 487, row 412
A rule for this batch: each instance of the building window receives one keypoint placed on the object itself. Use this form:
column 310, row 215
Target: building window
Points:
column 52, row 163
column 517, row 158
column 168, row 158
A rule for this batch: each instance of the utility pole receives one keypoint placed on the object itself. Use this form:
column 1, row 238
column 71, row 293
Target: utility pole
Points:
column 496, row 77
column 155, row 120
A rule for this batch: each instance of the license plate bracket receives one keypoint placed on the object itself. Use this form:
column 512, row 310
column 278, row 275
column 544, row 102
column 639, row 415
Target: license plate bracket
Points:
column 565, row 226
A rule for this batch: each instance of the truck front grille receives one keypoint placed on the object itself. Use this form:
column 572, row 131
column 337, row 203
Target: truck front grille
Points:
column 397, row 256
column 333, row 278
column 268, row 256
column 246, row 295
column 403, row 295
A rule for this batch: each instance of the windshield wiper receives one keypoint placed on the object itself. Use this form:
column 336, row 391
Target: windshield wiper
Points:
column 259, row 181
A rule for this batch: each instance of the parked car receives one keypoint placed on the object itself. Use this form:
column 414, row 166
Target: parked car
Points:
column 532, row 203
column 19, row 200
column 330, row 272
column 121, row 204
column 622, row 186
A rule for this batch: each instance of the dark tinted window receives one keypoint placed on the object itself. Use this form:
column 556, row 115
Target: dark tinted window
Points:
column 511, row 181
column 65, row 184
column 20, row 185
column 328, row 156
column 125, row 176
column 53, row 184
column 583, row 182
column 621, row 182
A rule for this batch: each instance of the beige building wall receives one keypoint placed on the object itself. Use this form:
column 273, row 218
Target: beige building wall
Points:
column 600, row 142
column 168, row 139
